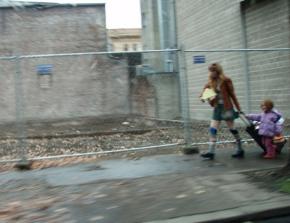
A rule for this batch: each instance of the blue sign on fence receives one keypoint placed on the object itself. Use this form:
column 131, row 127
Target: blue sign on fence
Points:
column 198, row 59
column 44, row 69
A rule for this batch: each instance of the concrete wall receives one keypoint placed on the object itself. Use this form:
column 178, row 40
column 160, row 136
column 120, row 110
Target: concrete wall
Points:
column 210, row 25
column 156, row 96
column 160, row 68
column 150, row 27
column 158, row 26
column 78, row 86
column 63, row 29
column 167, row 95
column 267, row 26
column 223, row 24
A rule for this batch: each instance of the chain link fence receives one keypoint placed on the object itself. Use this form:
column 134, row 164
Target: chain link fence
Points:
column 81, row 104
column 89, row 103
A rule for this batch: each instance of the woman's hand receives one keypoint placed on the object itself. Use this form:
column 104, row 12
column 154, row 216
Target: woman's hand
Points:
column 202, row 100
column 241, row 112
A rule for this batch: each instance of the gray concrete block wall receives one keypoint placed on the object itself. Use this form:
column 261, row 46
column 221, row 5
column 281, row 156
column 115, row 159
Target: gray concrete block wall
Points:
column 77, row 90
column 218, row 25
column 53, row 30
column 80, row 85
column 7, row 91
column 210, row 24
column 167, row 95
column 268, row 27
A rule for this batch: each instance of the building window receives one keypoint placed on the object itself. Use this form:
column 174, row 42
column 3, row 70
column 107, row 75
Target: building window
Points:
column 125, row 47
column 135, row 47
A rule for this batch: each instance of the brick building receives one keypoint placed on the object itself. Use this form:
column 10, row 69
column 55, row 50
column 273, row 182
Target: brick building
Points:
column 125, row 39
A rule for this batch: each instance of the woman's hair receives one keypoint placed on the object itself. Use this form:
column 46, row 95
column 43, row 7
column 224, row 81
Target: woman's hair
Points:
column 221, row 76
column 268, row 104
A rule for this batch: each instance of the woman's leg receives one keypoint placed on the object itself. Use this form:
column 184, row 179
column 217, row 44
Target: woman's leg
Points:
column 239, row 150
column 214, row 125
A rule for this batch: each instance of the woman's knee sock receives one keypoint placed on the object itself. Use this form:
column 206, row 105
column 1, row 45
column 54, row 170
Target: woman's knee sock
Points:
column 237, row 138
column 212, row 143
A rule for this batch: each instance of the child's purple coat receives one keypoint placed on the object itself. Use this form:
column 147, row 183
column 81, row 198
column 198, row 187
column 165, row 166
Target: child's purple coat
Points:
column 269, row 126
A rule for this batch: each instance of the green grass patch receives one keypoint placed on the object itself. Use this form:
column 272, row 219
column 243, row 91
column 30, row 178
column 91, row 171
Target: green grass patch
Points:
column 285, row 185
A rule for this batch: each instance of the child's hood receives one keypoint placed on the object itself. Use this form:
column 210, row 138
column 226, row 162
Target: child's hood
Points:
column 273, row 114
column 277, row 112
column 280, row 120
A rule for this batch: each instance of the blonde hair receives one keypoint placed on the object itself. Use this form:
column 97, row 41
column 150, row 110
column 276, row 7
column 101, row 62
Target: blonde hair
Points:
column 221, row 76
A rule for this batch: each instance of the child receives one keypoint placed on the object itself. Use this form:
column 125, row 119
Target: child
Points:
column 271, row 122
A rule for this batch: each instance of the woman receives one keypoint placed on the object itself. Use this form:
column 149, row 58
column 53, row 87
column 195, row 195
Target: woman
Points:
column 223, row 109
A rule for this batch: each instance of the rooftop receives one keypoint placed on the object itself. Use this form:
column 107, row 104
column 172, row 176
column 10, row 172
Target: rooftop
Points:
column 15, row 3
column 126, row 32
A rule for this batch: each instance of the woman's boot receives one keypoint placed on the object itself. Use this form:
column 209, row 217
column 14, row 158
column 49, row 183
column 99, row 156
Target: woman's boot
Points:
column 240, row 153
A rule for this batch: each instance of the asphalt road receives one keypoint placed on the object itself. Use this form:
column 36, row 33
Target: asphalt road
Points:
column 137, row 190
column 285, row 219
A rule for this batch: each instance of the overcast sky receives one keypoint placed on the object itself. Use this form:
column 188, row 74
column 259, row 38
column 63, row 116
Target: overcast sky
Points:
column 122, row 13
column 119, row 13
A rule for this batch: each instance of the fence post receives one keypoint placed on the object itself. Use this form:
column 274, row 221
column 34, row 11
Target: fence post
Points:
column 184, row 99
column 246, row 62
column 19, row 109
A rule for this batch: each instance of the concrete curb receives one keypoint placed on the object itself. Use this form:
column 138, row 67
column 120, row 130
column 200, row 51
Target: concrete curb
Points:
column 245, row 213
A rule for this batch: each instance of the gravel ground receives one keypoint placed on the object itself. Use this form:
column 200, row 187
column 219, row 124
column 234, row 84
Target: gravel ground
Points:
column 89, row 135
column 86, row 135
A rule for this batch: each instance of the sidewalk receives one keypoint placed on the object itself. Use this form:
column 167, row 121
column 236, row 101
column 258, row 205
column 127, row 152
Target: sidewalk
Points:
column 166, row 188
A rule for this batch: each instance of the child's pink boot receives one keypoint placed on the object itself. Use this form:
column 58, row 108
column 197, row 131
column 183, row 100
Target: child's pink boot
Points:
column 271, row 153
column 269, row 156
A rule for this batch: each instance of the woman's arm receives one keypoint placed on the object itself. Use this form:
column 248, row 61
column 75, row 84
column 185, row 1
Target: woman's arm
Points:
column 231, row 92
column 254, row 117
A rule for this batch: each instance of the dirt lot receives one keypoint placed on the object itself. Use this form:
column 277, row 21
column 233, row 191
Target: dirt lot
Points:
column 98, row 135
column 86, row 135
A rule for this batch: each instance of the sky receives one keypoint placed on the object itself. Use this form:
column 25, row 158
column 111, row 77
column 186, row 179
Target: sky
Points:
column 123, row 12
column 119, row 13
